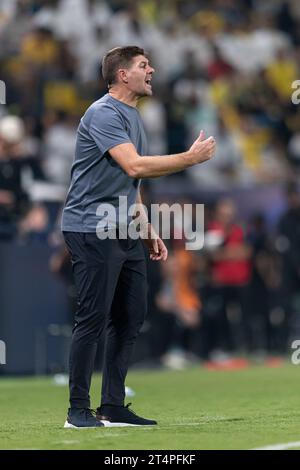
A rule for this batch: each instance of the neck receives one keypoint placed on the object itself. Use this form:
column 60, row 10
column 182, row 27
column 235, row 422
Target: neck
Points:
column 124, row 95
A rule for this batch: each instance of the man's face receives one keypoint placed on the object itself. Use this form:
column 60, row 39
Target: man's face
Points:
column 10, row 150
column 138, row 76
column 226, row 212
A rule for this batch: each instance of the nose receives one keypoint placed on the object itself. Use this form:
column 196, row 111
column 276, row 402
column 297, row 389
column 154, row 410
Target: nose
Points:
column 151, row 69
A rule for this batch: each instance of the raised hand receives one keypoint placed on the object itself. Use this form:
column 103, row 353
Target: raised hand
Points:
column 202, row 149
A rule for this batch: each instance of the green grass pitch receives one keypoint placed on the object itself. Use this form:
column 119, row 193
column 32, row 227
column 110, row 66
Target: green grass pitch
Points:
column 195, row 408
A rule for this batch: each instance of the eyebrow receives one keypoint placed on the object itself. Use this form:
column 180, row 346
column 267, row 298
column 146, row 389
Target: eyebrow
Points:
column 144, row 62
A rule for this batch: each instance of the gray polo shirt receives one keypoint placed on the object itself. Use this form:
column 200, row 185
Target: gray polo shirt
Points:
column 97, row 179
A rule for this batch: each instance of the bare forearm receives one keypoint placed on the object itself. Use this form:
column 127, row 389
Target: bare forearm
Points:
column 137, row 166
column 151, row 167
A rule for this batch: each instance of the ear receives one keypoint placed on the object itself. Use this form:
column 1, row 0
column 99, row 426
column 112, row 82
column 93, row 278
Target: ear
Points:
column 123, row 75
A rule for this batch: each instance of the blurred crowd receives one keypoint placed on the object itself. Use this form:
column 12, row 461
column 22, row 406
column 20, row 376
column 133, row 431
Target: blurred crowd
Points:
column 225, row 66
column 240, row 294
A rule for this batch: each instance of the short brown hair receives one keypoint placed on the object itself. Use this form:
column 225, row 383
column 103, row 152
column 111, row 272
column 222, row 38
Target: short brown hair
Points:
column 116, row 58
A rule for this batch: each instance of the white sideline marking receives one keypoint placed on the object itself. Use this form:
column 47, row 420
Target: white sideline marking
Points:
column 288, row 445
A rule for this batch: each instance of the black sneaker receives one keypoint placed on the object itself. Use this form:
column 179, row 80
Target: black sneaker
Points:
column 82, row 418
column 112, row 415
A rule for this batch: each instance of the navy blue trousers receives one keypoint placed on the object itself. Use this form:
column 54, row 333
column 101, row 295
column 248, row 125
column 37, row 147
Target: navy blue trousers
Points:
column 111, row 282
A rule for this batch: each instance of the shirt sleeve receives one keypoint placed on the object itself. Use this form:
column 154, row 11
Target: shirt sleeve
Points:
column 107, row 129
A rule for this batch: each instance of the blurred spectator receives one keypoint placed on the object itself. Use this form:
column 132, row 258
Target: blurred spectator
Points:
column 39, row 48
column 281, row 73
column 16, row 211
column 59, row 146
column 264, row 281
column 226, row 298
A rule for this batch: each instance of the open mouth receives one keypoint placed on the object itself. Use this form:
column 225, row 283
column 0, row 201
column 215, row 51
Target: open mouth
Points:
column 148, row 81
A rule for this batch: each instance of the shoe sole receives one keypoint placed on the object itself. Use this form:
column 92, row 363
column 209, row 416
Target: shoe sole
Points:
column 109, row 424
column 106, row 424
column 68, row 425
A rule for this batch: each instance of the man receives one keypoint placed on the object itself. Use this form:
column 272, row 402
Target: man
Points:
column 18, row 215
column 110, row 274
column 230, row 274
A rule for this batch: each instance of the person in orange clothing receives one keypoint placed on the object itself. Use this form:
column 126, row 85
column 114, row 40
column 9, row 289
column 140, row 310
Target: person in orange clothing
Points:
column 180, row 300
column 187, row 300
